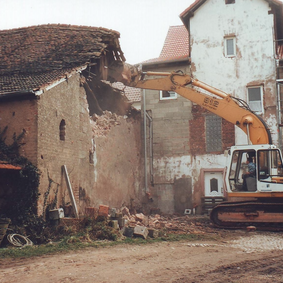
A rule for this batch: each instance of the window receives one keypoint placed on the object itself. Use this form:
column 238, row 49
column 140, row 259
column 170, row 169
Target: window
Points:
column 213, row 133
column 62, row 130
column 229, row 1
column 255, row 98
column 230, row 46
column 167, row 95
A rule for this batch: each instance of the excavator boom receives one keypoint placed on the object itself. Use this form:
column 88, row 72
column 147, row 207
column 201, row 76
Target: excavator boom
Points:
column 214, row 100
column 266, row 187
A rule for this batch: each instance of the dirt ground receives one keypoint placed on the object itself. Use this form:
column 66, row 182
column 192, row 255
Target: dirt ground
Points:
column 236, row 256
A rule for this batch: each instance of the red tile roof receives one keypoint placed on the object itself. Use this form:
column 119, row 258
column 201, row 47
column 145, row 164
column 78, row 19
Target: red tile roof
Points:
column 176, row 45
column 133, row 94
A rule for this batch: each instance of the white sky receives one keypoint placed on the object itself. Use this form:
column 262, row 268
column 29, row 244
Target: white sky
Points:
column 143, row 24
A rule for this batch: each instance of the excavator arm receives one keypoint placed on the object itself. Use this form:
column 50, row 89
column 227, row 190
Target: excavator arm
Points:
column 214, row 100
column 265, row 211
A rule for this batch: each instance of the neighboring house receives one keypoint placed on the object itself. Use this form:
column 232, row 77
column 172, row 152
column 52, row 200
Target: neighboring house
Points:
column 133, row 94
column 235, row 46
column 51, row 84
column 181, row 138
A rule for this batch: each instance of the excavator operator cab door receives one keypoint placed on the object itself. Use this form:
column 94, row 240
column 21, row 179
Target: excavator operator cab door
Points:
column 255, row 168
column 239, row 167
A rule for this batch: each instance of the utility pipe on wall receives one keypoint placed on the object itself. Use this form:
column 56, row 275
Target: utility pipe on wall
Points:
column 145, row 143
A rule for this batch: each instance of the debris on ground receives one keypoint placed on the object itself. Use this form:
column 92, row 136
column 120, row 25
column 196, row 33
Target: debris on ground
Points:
column 141, row 225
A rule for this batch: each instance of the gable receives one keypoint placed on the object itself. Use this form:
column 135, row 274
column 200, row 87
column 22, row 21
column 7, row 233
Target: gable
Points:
column 275, row 5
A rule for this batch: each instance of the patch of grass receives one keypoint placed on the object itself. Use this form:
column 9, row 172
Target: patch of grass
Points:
column 81, row 241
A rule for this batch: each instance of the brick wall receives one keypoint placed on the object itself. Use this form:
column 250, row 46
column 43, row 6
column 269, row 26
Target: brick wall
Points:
column 197, row 132
column 21, row 115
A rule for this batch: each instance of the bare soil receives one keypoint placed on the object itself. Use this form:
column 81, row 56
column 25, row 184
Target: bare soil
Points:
column 236, row 256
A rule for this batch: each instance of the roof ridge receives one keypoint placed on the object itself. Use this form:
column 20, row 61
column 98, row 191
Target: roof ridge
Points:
column 60, row 26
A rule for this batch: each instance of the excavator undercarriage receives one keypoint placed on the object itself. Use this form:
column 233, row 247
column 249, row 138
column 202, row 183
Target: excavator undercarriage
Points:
column 263, row 214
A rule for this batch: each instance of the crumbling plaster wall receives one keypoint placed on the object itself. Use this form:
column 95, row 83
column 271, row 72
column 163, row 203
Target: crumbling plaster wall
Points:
column 179, row 150
column 102, row 169
column 66, row 101
column 117, row 159
column 254, row 63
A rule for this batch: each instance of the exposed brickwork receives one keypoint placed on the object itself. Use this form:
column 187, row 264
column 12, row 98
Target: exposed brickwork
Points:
column 18, row 116
column 197, row 132
column 228, row 134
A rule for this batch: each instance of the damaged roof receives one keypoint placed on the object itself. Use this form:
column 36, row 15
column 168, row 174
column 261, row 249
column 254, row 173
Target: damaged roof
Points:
column 34, row 56
column 176, row 46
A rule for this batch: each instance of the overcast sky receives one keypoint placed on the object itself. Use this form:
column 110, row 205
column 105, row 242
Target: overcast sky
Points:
column 143, row 24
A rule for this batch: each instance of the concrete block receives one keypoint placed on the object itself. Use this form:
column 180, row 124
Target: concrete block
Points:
column 141, row 231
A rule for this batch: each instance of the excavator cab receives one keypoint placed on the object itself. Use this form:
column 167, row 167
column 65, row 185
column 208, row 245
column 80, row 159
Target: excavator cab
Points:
column 268, row 173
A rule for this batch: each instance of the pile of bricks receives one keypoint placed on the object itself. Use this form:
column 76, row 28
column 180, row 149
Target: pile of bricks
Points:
column 140, row 225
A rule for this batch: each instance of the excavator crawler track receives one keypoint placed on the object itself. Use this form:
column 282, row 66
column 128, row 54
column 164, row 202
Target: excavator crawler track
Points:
column 236, row 215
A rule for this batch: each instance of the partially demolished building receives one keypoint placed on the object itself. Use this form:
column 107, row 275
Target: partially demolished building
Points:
column 52, row 90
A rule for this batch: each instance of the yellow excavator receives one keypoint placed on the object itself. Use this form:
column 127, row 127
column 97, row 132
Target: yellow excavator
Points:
column 261, row 202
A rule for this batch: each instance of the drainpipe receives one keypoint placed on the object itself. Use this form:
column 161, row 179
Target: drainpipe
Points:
column 145, row 143
column 279, row 82
column 150, row 147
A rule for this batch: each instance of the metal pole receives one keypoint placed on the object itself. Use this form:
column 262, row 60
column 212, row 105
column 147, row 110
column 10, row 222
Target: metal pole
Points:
column 145, row 143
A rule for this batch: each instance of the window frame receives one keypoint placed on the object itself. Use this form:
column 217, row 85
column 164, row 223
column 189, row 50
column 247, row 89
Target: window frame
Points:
column 226, row 46
column 260, row 87
column 169, row 97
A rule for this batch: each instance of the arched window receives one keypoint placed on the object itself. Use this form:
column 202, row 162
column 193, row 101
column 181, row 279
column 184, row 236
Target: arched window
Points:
column 62, row 130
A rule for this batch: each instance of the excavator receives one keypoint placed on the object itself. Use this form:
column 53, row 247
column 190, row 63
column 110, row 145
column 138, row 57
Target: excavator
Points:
column 261, row 203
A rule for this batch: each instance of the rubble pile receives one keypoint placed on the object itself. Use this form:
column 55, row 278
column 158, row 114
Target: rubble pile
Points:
column 140, row 225
column 102, row 124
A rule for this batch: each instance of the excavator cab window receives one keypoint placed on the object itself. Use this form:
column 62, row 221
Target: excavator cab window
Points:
column 239, row 166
